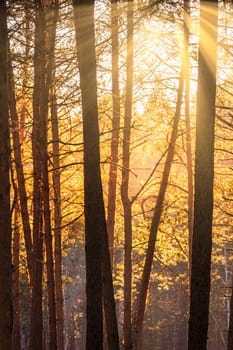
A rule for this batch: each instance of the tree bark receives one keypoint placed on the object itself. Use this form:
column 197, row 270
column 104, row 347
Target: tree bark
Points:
column 127, row 206
column 84, row 25
column 115, row 129
column 230, row 329
column 108, row 293
column 5, row 217
column 98, row 265
column 188, row 129
column 49, row 32
column 57, row 222
column 36, row 337
column 204, row 176
column 17, row 139
column 15, row 281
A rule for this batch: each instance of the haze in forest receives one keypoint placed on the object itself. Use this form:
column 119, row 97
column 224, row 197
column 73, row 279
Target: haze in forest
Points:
column 116, row 175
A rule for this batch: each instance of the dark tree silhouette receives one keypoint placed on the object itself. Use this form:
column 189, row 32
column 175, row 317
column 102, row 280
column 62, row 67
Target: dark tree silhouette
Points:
column 84, row 24
column 112, row 184
column 127, row 205
column 98, row 266
column 17, row 141
column 36, row 337
column 57, row 221
column 204, row 176
column 5, row 218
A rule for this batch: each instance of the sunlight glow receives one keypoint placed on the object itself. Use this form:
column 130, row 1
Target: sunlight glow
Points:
column 207, row 35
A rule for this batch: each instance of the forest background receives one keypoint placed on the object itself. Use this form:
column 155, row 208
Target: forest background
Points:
column 116, row 175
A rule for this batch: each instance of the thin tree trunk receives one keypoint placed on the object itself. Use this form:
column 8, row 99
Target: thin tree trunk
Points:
column 57, row 222
column 230, row 329
column 204, row 176
column 49, row 248
column 15, row 282
column 19, row 168
column 108, row 292
column 141, row 300
column 127, row 207
column 45, row 29
column 49, row 32
column 188, row 128
column 5, row 217
column 25, row 73
column 36, row 337
column 115, row 129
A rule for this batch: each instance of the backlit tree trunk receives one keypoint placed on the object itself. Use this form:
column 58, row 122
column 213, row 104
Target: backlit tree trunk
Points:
column 17, row 140
column 98, row 266
column 188, row 127
column 49, row 32
column 230, row 330
column 5, row 218
column 127, row 206
column 84, row 25
column 15, row 281
column 204, row 176
column 57, row 222
column 115, row 128
column 36, row 337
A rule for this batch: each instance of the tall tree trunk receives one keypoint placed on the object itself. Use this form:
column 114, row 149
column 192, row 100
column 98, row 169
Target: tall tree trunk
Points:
column 26, row 74
column 230, row 330
column 108, row 292
column 57, row 222
column 115, row 128
column 5, row 217
column 141, row 300
column 49, row 32
column 48, row 246
column 17, row 140
column 188, row 128
column 204, row 176
column 98, row 265
column 44, row 47
column 36, row 337
column 84, row 25
column 15, row 281
column 127, row 207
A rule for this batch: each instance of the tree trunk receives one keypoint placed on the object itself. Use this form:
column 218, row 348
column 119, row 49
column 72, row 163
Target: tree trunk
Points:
column 5, row 217
column 36, row 337
column 188, row 128
column 15, row 282
column 17, row 139
column 115, row 129
column 49, row 248
column 49, row 33
column 204, row 175
column 108, row 293
column 57, row 222
column 230, row 329
column 127, row 206
column 44, row 47
column 84, row 25
column 98, row 265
